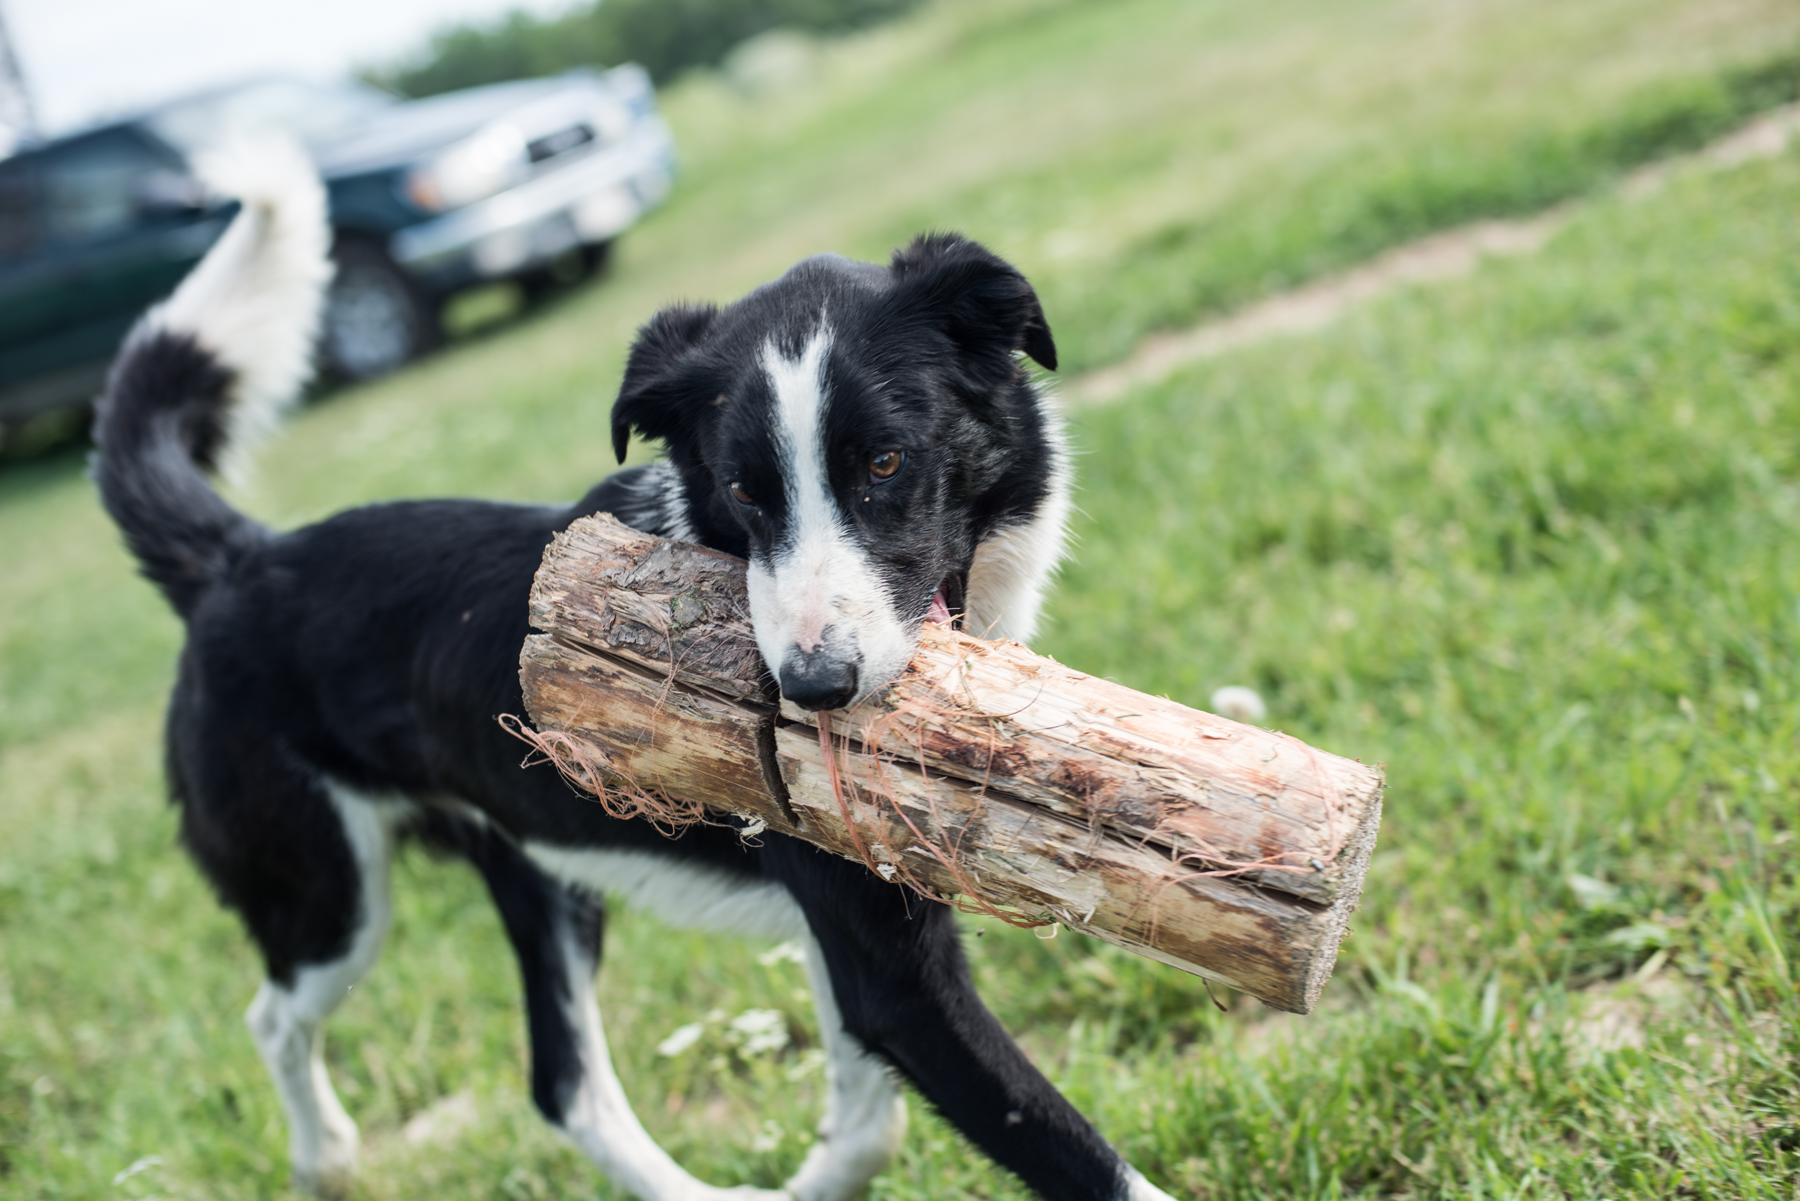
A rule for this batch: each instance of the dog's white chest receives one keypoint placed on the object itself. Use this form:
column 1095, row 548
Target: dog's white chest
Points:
column 687, row 895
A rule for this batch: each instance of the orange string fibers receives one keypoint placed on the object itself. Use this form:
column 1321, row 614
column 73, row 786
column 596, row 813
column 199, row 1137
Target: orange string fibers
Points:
column 968, row 897
column 837, row 790
column 588, row 769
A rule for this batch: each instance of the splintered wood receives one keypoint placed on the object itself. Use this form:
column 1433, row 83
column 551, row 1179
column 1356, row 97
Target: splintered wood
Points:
column 985, row 776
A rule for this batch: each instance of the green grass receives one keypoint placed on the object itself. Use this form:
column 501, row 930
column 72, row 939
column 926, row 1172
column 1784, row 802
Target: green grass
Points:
column 1528, row 539
column 1146, row 161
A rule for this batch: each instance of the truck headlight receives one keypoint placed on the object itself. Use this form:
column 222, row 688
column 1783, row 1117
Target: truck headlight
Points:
column 475, row 168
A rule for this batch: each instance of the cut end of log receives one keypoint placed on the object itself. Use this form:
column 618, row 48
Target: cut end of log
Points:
column 984, row 774
column 1358, row 851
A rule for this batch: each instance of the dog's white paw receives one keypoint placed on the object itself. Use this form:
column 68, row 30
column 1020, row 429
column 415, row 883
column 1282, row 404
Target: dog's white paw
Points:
column 328, row 1169
column 1139, row 1189
column 330, row 1183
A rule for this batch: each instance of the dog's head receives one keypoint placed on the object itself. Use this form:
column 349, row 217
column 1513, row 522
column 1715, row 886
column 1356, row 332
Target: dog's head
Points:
column 857, row 433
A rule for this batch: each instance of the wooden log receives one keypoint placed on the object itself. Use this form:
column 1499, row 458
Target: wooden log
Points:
column 984, row 774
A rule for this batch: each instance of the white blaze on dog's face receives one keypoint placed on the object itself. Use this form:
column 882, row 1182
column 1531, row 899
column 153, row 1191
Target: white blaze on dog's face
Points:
column 867, row 438
column 826, row 623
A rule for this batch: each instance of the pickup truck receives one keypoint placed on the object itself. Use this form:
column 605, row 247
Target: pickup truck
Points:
column 530, row 180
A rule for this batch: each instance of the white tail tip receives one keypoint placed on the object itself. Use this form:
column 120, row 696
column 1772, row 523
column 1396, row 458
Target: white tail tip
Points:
column 256, row 299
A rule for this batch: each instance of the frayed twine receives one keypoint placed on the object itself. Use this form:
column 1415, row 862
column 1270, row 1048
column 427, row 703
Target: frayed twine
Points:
column 1335, row 837
column 967, row 897
column 590, row 770
column 1185, row 864
column 1213, row 862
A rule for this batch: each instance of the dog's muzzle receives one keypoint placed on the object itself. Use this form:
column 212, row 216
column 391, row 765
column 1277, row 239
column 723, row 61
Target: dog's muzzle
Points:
column 818, row 679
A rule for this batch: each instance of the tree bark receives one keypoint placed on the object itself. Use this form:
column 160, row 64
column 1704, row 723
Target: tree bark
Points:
column 984, row 775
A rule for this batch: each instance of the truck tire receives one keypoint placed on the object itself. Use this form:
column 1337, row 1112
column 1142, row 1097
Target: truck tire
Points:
column 577, row 264
column 376, row 318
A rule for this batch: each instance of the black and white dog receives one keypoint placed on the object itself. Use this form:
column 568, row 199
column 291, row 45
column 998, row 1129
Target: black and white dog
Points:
column 865, row 436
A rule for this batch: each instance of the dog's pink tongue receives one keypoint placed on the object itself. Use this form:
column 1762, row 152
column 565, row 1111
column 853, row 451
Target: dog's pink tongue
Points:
column 940, row 606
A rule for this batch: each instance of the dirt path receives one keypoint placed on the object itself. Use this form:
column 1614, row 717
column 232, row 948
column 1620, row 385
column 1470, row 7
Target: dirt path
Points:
column 1447, row 255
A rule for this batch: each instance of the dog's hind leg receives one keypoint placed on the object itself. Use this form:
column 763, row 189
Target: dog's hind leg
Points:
column 287, row 1017
column 865, row 1113
column 556, row 933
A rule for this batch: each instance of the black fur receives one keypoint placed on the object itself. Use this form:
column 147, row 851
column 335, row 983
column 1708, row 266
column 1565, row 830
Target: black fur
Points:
column 923, row 361
column 544, row 922
column 161, row 417
column 376, row 649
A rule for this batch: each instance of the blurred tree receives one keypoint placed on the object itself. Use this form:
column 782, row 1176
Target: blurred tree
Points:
column 666, row 36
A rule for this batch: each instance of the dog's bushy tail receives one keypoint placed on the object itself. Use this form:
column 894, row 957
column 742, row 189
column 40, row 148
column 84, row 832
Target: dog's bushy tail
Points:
column 204, row 374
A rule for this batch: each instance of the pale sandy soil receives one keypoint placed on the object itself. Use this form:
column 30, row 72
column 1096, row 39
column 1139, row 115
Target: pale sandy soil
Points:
column 1447, row 255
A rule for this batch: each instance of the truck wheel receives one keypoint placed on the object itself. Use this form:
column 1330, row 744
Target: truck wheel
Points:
column 565, row 271
column 596, row 257
column 375, row 317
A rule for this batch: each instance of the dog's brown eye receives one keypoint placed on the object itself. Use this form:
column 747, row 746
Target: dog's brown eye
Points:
column 886, row 464
column 741, row 495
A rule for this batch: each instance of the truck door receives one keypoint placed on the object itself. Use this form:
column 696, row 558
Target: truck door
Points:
column 117, row 221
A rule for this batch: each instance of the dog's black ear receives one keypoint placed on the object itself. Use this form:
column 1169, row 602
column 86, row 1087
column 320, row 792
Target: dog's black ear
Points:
column 978, row 299
column 655, row 395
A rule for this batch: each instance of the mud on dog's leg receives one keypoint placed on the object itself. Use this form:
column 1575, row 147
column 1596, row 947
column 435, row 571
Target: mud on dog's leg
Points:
column 865, row 1113
column 556, row 934
column 287, row 1020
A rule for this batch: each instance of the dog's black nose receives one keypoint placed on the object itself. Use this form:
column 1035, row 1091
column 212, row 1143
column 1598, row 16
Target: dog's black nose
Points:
column 818, row 681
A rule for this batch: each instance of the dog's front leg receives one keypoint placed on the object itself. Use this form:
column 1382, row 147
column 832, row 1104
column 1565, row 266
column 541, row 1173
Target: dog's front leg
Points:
column 897, row 973
column 865, row 1115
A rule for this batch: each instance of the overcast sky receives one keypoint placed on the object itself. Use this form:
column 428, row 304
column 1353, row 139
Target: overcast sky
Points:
column 86, row 58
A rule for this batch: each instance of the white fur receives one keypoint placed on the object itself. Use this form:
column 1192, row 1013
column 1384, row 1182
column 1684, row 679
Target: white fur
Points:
column 865, row 1113
column 1139, row 1189
column 255, row 300
column 819, row 586
column 1014, row 566
column 682, row 894
column 600, row 1121
column 288, row 1022
column 666, row 495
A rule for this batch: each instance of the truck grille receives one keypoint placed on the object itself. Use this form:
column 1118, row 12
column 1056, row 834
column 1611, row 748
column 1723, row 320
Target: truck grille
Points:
column 560, row 142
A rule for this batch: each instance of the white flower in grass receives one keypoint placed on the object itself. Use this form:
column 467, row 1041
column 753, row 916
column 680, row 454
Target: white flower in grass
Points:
column 1592, row 893
column 768, row 1138
column 788, row 952
column 760, row 1030
column 810, row 1062
column 1239, row 704
column 139, row 1165
column 680, row 1039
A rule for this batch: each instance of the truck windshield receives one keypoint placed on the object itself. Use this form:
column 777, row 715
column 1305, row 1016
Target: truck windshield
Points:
column 310, row 112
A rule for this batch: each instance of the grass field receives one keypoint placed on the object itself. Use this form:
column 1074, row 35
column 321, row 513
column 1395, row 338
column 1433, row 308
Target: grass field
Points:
column 1530, row 539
